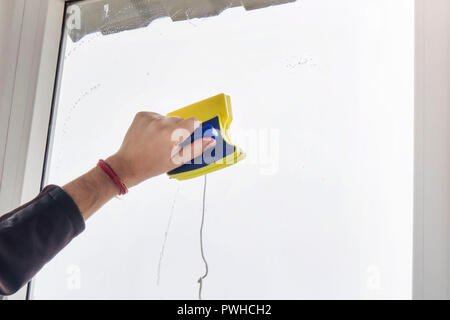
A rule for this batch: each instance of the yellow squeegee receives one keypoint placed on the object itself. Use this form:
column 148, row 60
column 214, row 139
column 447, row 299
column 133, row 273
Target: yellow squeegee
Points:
column 214, row 113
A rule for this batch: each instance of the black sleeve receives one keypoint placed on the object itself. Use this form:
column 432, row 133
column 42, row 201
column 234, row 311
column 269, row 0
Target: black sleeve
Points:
column 33, row 234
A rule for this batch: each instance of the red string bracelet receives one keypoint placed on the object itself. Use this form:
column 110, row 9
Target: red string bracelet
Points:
column 113, row 176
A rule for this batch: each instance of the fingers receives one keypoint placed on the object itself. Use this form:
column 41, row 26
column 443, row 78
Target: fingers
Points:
column 146, row 115
column 172, row 122
column 189, row 124
column 193, row 150
column 197, row 148
column 180, row 129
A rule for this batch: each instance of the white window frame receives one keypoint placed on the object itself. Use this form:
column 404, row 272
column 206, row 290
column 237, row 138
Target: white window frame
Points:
column 30, row 91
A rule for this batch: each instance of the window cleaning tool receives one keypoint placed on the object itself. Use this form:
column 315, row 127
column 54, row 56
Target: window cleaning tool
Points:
column 215, row 115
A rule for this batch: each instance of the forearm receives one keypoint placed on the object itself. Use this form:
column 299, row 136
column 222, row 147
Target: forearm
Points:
column 91, row 191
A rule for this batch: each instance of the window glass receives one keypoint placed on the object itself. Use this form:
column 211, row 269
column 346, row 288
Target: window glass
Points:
column 322, row 98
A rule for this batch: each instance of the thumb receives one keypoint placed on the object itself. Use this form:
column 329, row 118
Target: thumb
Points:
column 193, row 150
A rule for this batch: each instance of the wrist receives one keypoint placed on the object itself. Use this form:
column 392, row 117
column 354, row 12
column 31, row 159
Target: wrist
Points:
column 91, row 191
column 122, row 170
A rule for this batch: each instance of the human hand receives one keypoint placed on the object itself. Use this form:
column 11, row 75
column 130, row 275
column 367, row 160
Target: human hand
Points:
column 150, row 147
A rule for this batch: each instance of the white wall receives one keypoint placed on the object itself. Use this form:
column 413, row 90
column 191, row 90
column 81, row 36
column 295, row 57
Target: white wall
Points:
column 11, row 14
column 29, row 41
column 30, row 54
column 432, row 152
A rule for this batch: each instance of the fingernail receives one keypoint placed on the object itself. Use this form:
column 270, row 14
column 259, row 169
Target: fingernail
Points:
column 210, row 144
